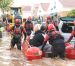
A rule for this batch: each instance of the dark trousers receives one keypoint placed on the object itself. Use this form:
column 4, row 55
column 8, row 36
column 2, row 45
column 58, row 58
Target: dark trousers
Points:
column 17, row 42
column 27, row 33
column 58, row 48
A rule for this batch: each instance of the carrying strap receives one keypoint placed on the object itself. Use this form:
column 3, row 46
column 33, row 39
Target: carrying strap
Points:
column 44, row 43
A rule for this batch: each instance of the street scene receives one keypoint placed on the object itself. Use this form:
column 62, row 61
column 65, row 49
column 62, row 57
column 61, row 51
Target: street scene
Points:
column 37, row 33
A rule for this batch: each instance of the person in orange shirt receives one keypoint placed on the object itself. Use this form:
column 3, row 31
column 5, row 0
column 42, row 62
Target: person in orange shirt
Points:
column 56, row 40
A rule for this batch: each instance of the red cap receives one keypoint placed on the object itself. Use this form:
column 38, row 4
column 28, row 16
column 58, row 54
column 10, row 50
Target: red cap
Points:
column 29, row 18
column 51, row 26
column 48, row 17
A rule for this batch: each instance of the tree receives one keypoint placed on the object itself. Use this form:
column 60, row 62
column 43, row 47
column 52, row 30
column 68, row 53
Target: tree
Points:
column 0, row 0
column 71, row 13
column 5, row 5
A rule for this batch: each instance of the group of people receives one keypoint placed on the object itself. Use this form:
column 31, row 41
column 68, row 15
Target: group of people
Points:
column 18, row 31
column 47, row 38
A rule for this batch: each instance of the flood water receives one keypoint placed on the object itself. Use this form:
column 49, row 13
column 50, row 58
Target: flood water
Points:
column 15, row 57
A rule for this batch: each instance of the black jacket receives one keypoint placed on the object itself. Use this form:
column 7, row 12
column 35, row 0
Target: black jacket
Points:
column 56, row 39
column 37, row 39
column 28, row 25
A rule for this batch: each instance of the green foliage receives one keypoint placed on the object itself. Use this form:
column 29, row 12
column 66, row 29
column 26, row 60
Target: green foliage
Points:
column 0, row 0
column 5, row 4
column 71, row 13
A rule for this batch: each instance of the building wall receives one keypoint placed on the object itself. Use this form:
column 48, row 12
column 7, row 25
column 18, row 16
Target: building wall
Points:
column 63, row 13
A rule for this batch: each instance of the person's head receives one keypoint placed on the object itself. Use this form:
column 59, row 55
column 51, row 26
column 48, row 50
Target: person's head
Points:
column 37, row 27
column 29, row 18
column 24, row 20
column 43, row 28
column 28, row 21
column 51, row 27
column 17, row 22
column 49, row 19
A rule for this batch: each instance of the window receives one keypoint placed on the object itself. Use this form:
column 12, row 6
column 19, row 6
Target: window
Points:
column 67, row 27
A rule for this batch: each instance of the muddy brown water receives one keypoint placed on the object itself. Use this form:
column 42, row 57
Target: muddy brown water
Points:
column 16, row 58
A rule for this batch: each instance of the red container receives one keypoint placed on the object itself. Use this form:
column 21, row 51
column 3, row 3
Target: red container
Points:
column 43, row 54
column 33, row 57
column 70, row 51
column 33, row 53
column 67, row 44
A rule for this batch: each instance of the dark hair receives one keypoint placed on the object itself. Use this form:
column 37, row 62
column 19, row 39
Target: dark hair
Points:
column 28, row 21
column 43, row 28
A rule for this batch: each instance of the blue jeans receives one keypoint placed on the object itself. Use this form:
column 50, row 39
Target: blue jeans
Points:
column 47, row 48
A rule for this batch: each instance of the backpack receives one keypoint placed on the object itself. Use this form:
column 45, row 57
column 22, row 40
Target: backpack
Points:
column 37, row 40
column 54, row 35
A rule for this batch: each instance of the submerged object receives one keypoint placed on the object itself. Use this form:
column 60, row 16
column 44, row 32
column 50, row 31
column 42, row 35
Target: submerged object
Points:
column 70, row 51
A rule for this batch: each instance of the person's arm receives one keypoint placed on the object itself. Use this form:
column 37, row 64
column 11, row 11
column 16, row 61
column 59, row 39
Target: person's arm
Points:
column 70, row 37
column 45, row 41
column 12, row 29
column 32, row 26
column 23, row 32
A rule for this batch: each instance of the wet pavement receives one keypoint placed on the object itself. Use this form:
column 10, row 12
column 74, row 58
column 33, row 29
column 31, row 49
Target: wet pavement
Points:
column 15, row 57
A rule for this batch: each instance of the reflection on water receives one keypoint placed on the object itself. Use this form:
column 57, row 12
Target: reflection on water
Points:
column 15, row 57
column 9, row 57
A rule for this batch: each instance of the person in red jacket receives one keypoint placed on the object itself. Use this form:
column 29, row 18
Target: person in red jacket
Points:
column 17, row 33
column 28, row 27
column 72, row 33
column 56, row 40
column 49, row 21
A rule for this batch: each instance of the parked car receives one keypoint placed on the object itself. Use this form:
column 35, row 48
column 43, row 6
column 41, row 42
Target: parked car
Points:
column 66, row 26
